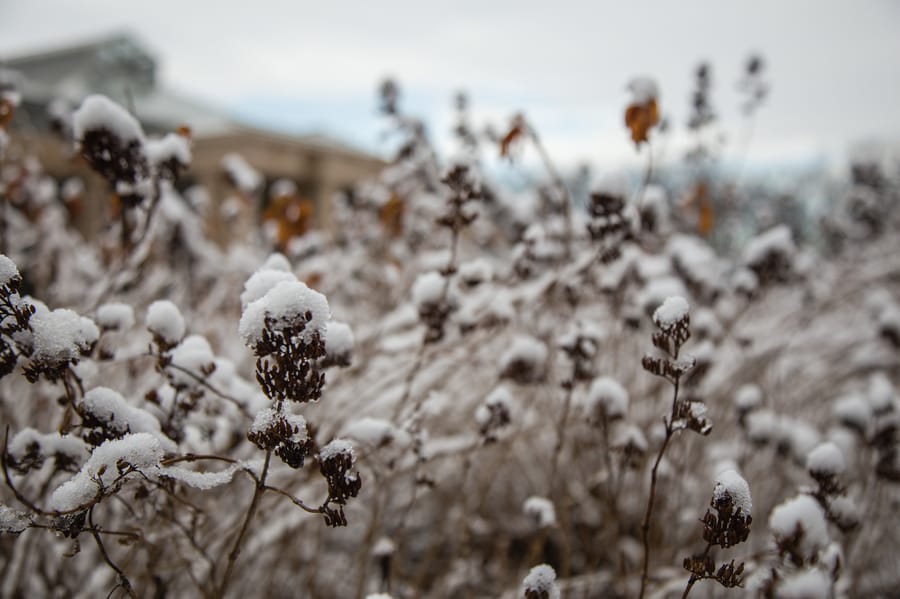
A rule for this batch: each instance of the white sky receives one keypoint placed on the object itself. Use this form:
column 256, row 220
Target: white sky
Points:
column 314, row 66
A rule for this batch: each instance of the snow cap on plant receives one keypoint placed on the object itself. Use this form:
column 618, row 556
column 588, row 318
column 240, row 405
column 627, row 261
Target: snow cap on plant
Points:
column 540, row 583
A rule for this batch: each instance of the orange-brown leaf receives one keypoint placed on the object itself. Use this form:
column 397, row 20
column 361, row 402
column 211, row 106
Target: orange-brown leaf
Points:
column 6, row 112
column 512, row 135
column 391, row 215
column 640, row 118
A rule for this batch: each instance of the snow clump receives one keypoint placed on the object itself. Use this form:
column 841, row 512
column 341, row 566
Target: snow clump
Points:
column 671, row 312
column 732, row 484
column 541, row 583
column 285, row 306
column 165, row 322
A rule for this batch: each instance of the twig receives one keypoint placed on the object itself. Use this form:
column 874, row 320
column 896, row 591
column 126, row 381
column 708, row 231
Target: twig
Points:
column 251, row 511
column 648, row 514
column 123, row 580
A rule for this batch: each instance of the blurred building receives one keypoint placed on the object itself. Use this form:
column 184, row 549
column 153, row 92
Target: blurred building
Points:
column 54, row 82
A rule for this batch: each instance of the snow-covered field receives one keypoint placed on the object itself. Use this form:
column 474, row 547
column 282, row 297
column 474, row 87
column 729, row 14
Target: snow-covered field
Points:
column 469, row 400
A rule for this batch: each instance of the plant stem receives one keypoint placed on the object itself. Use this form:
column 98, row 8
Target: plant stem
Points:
column 123, row 580
column 251, row 511
column 648, row 514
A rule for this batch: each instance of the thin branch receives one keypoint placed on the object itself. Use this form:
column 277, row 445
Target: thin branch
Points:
column 251, row 511
column 123, row 579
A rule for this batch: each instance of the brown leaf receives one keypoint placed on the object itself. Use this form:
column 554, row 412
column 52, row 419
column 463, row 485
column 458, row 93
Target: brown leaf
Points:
column 515, row 133
column 640, row 118
column 391, row 215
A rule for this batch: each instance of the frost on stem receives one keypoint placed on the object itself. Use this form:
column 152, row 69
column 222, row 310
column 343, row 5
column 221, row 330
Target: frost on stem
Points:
column 540, row 583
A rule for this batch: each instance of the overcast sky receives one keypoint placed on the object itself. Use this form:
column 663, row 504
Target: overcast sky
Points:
column 301, row 66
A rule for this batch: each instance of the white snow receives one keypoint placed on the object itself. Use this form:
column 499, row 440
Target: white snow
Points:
column 854, row 411
column 541, row 509
column 733, row 484
column 630, row 436
column 276, row 261
column 339, row 339
column 371, row 431
column 115, row 316
column 164, row 320
column 825, row 460
column 475, row 271
column 763, row 426
column 673, row 310
column 643, row 89
column 541, row 580
column 49, row 445
column 608, row 395
column 194, row 354
column 428, row 289
column 8, row 271
column 881, row 393
column 384, row 547
column 200, row 480
column 499, row 398
column 59, row 336
column 12, row 521
column 804, row 512
column 527, row 350
column 806, row 584
column 285, row 305
column 748, row 397
column 171, row 146
column 140, row 450
column 111, row 408
column 335, row 448
column 98, row 112
column 268, row 416
column 245, row 177
column 261, row 282
column 777, row 240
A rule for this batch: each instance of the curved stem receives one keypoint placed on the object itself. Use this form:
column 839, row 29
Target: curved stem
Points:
column 123, row 580
column 648, row 514
column 251, row 511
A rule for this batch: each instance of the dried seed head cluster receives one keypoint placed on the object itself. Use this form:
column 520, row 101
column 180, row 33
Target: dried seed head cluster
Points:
column 702, row 113
column 540, row 583
column 608, row 226
column 112, row 142
column 728, row 526
column 335, row 462
column 494, row 413
column 753, row 86
column 283, row 433
column 14, row 315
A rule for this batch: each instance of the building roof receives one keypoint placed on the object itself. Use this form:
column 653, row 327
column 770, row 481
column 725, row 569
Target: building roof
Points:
column 119, row 66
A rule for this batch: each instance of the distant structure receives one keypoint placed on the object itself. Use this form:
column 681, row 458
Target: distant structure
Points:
column 55, row 81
